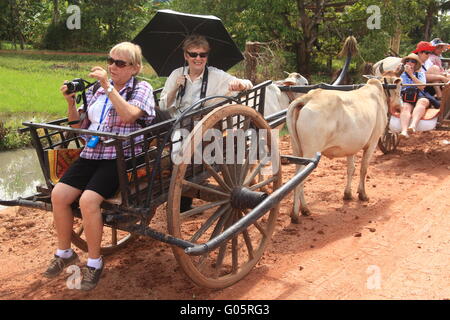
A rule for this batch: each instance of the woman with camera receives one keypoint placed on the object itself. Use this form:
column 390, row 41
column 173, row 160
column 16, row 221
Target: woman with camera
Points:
column 115, row 106
column 414, row 103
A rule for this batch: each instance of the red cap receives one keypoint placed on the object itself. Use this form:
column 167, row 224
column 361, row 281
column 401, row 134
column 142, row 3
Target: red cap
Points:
column 424, row 46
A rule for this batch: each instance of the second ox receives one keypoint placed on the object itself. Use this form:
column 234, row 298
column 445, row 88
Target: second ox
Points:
column 339, row 124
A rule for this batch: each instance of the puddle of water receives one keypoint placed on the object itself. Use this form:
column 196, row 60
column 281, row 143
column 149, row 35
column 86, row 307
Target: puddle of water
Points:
column 20, row 173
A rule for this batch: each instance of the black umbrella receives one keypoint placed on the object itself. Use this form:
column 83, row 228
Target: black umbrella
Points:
column 162, row 38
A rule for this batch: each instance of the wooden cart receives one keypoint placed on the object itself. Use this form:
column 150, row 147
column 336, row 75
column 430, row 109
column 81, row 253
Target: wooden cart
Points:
column 236, row 186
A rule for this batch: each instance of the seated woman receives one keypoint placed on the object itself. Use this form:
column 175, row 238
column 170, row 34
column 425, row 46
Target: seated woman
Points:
column 114, row 107
column 423, row 51
column 433, row 65
column 185, row 86
column 414, row 104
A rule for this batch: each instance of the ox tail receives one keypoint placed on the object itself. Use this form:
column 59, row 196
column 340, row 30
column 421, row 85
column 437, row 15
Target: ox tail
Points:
column 350, row 47
column 292, row 116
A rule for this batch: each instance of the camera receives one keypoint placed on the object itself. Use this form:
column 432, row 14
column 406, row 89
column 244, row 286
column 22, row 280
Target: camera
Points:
column 76, row 85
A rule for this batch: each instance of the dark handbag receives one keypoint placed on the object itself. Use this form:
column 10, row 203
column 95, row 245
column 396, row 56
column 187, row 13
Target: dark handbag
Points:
column 433, row 101
column 410, row 94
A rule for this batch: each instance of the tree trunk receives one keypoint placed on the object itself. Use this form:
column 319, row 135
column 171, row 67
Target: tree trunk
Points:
column 395, row 41
column 303, row 59
column 251, row 54
column 432, row 11
column 56, row 16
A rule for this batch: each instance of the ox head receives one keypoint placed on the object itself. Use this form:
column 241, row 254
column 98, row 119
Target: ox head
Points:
column 393, row 96
column 293, row 79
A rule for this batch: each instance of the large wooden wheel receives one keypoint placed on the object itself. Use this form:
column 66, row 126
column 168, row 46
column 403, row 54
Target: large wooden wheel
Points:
column 389, row 140
column 219, row 188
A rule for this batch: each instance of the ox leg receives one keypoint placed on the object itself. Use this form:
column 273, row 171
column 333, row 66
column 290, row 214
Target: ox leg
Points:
column 299, row 202
column 350, row 172
column 367, row 155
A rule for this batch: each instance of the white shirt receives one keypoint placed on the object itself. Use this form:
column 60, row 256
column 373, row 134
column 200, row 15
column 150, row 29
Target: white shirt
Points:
column 95, row 112
column 218, row 81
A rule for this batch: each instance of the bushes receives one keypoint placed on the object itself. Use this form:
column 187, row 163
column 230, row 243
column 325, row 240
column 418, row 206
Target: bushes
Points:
column 10, row 138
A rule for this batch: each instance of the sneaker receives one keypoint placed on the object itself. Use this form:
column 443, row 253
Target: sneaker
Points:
column 58, row 264
column 91, row 276
column 411, row 130
column 403, row 135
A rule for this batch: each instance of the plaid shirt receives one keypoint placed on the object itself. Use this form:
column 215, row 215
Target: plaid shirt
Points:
column 141, row 98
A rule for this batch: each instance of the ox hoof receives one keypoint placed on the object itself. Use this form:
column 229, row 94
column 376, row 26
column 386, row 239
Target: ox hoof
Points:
column 306, row 212
column 363, row 197
column 348, row 196
column 295, row 219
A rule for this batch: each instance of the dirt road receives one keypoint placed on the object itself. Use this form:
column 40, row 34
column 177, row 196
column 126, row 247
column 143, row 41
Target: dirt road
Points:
column 396, row 246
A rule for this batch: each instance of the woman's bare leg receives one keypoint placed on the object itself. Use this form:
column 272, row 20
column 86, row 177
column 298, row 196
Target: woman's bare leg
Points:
column 63, row 196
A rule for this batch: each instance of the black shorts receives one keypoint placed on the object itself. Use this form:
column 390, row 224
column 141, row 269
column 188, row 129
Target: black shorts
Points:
column 96, row 175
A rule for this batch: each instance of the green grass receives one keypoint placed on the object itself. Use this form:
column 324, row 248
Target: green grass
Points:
column 29, row 89
column 30, row 82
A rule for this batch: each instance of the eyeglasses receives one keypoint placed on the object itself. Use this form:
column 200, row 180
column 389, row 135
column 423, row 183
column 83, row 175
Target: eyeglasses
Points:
column 426, row 52
column 119, row 63
column 196, row 54
column 411, row 60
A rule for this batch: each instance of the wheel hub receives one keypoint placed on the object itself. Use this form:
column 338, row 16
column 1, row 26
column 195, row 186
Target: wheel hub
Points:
column 244, row 198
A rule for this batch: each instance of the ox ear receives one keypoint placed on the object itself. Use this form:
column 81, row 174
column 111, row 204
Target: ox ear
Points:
column 286, row 72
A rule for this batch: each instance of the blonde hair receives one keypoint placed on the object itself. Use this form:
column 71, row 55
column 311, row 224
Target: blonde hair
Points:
column 132, row 51
column 195, row 40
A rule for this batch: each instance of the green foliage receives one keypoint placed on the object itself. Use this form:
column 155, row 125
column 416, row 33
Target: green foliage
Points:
column 10, row 138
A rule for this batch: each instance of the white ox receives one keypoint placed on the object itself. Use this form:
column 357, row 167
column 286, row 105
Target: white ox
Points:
column 339, row 124
column 277, row 100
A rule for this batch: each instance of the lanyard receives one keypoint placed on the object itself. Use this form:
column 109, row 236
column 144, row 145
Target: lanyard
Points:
column 103, row 115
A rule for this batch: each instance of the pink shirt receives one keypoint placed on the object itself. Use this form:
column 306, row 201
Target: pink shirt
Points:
column 434, row 60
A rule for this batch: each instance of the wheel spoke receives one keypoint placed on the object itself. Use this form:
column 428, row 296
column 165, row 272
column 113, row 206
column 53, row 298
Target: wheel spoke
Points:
column 203, row 208
column 217, row 177
column 205, row 188
column 234, row 255
column 113, row 236
column 255, row 171
column 226, row 175
column 263, row 183
column 244, row 170
column 209, row 222
column 248, row 241
column 223, row 247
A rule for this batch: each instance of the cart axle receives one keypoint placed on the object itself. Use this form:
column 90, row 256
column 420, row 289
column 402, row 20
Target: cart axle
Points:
column 244, row 198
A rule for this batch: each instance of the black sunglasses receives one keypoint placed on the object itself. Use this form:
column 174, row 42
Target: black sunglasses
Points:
column 426, row 52
column 119, row 63
column 196, row 54
column 411, row 60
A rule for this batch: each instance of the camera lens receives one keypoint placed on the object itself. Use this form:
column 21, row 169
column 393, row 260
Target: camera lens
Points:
column 76, row 85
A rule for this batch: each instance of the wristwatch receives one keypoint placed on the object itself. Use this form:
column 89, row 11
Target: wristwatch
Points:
column 110, row 89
